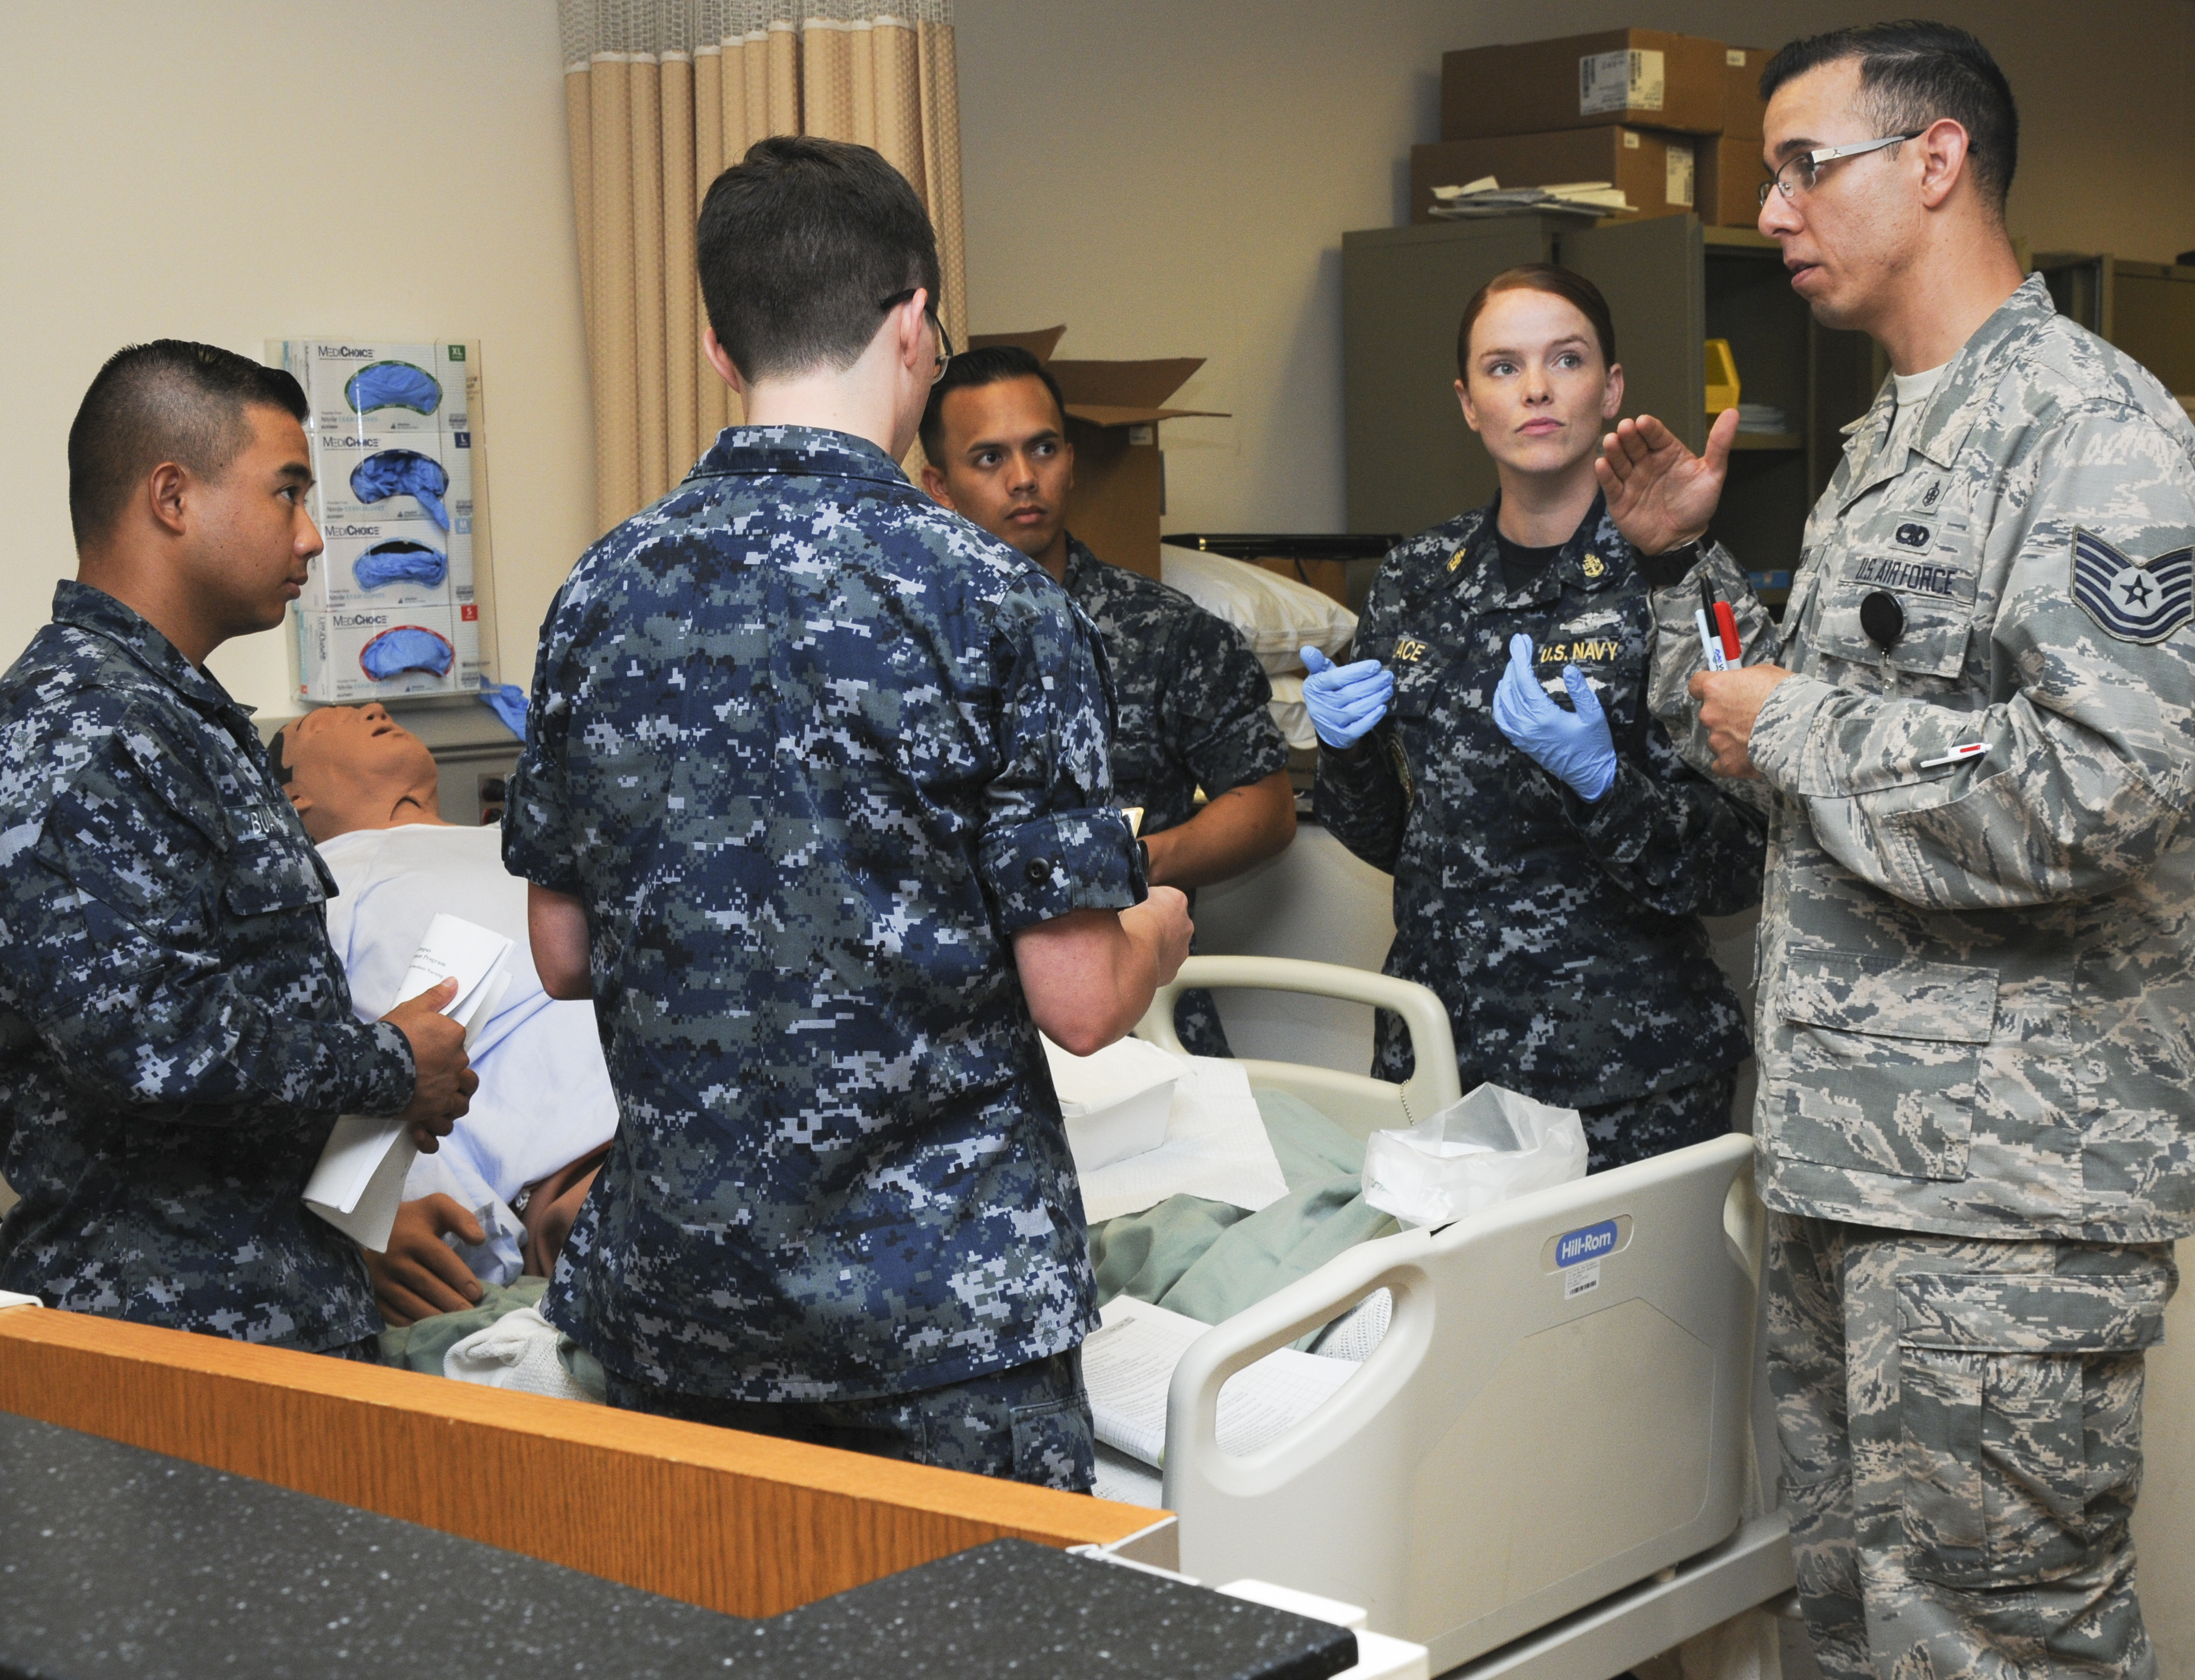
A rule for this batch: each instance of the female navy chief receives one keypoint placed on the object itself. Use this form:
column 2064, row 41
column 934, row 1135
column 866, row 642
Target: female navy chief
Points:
column 1551, row 864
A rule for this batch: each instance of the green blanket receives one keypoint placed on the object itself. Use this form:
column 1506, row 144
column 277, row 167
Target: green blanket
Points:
column 421, row 1346
column 1209, row 1260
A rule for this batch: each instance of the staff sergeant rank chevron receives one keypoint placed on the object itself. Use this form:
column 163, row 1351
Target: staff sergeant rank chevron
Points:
column 2132, row 600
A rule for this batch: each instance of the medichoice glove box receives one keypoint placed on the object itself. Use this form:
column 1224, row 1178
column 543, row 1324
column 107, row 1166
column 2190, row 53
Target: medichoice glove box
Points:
column 390, row 563
column 369, row 386
column 395, row 479
column 387, row 652
column 1116, row 1102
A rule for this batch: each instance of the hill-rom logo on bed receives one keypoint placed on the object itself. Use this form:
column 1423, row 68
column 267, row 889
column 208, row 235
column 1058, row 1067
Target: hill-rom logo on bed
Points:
column 1578, row 1254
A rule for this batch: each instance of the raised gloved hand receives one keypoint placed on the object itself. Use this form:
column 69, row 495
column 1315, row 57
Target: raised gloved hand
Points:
column 1345, row 701
column 399, row 560
column 393, row 385
column 1574, row 745
column 406, row 647
column 393, row 472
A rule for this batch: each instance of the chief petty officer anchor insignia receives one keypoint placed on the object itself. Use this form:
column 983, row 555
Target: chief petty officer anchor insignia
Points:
column 2142, row 601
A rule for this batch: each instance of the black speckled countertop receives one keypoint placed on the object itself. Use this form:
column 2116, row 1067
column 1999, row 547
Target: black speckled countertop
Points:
column 117, row 1562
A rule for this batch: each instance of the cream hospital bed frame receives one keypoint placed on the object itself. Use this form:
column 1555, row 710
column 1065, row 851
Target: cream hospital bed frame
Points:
column 1531, row 1478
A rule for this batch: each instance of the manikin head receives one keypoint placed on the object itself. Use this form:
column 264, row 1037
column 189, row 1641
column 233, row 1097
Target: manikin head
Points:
column 350, row 767
column 995, row 438
column 1537, row 373
column 189, row 474
column 1867, row 236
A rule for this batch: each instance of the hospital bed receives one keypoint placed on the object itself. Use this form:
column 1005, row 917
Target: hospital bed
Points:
column 1542, row 1469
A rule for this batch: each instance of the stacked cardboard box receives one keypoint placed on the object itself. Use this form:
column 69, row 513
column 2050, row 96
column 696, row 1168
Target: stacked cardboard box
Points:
column 1668, row 119
column 392, row 611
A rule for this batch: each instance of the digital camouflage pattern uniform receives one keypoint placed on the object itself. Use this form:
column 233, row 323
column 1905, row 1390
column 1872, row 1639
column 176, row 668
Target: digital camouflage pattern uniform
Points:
column 810, row 749
column 1564, row 938
column 179, row 1035
column 1191, row 702
column 1976, row 991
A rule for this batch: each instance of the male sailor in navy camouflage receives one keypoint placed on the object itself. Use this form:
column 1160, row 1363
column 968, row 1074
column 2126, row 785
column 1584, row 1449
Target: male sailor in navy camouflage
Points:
column 1551, row 866
column 816, row 805
column 179, row 1035
column 1192, row 702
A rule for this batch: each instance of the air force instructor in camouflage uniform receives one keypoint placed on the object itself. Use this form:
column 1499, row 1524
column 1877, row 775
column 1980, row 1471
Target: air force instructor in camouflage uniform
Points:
column 816, row 805
column 178, row 1036
column 1976, row 729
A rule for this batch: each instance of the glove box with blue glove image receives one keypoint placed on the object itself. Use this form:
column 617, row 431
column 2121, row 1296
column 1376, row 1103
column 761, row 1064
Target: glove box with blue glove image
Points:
column 391, row 563
column 367, row 388
column 423, row 480
column 393, row 653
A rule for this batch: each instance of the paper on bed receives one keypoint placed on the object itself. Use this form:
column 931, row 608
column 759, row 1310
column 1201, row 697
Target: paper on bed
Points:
column 1128, row 1365
column 1215, row 1147
column 359, row 1183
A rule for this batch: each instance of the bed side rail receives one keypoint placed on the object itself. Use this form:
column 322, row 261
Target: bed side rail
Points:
column 1433, row 1086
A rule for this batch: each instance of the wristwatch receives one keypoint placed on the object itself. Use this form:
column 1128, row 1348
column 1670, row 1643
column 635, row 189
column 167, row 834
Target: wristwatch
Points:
column 1667, row 568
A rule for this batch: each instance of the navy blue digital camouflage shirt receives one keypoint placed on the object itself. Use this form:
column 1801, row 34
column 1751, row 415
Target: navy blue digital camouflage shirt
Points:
column 178, row 1035
column 1193, row 710
column 1564, row 937
column 810, row 749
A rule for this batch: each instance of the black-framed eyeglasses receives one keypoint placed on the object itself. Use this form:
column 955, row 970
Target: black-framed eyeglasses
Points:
column 930, row 313
column 1798, row 171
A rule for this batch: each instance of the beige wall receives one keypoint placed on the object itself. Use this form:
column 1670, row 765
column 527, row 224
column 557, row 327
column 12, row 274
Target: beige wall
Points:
column 186, row 169
column 1174, row 179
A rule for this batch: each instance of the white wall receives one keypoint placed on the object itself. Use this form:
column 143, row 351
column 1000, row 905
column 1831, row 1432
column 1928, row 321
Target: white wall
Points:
column 1174, row 179
column 186, row 169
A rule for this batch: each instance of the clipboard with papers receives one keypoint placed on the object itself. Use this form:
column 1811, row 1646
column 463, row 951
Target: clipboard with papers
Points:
column 358, row 1181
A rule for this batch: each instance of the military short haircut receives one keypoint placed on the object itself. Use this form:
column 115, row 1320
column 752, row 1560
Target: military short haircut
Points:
column 993, row 365
column 1915, row 73
column 168, row 400
column 799, row 244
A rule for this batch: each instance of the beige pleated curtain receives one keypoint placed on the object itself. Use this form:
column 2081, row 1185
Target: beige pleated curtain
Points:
column 662, row 96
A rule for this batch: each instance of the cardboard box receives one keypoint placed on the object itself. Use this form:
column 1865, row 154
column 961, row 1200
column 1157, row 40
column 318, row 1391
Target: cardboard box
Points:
column 1639, row 77
column 1113, row 414
column 1743, row 106
column 1730, row 174
column 332, row 650
column 1655, row 171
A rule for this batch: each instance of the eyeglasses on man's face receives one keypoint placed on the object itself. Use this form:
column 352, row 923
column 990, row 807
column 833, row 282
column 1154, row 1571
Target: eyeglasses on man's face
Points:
column 930, row 314
column 1797, row 174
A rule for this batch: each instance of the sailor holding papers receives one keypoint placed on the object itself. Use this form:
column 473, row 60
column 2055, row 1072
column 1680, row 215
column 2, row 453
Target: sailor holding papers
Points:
column 178, row 1034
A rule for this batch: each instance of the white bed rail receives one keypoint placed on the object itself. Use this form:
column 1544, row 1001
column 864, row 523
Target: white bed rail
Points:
column 1362, row 1104
column 1521, row 1442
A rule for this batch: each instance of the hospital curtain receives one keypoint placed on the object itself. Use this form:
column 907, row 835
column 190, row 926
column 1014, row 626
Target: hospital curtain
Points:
column 663, row 95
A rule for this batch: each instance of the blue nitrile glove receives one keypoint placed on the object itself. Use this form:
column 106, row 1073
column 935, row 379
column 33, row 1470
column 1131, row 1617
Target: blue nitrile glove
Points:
column 406, row 647
column 1345, row 701
column 400, row 561
column 507, row 701
column 1575, row 745
column 393, row 385
column 404, row 472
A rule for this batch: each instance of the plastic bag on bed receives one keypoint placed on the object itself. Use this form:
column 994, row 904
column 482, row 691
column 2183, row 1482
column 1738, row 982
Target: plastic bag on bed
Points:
column 1492, row 1145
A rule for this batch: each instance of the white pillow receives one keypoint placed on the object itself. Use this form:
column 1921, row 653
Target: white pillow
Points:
column 1277, row 615
column 1290, row 715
